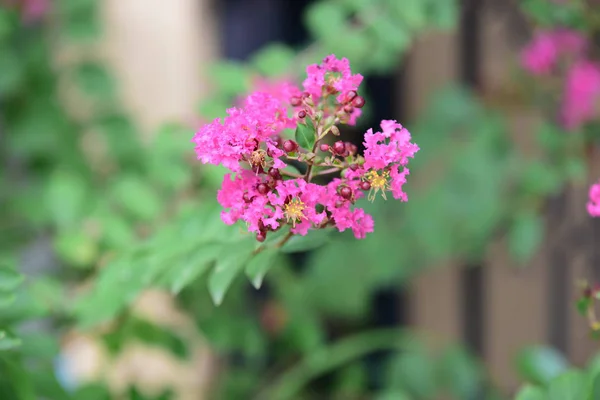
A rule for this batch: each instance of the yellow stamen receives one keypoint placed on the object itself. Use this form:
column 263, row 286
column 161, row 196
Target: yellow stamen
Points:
column 293, row 210
column 257, row 158
column 378, row 183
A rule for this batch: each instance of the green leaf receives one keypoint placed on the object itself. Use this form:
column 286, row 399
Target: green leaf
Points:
column 137, row 197
column 192, row 267
column 306, row 134
column 228, row 265
column 273, row 60
column 6, row 299
column 393, row 395
column 570, row 385
column 260, row 264
column 80, row 19
column 312, row 240
column 525, row 235
column 11, row 72
column 8, row 342
column 232, row 78
column 392, row 33
column 461, row 373
column 583, row 304
column 76, row 248
column 529, row 392
column 541, row 179
column 415, row 373
column 95, row 81
column 324, row 17
column 595, row 386
column 65, row 197
column 9, row 279
column 539, row 365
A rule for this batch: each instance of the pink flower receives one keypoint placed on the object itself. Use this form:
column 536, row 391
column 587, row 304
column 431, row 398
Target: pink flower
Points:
column 541, row 55
column 392, row 146
column 398, row 179
column 299, row 200
column 582, row 88
column 593, row 205
column 243, row 201
column 227, row 142
column 334, row 73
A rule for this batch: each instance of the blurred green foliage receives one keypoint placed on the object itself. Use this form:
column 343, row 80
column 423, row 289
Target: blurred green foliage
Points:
column 123, row 216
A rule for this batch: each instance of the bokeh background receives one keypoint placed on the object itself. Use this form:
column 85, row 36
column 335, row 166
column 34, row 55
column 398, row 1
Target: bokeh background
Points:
column 465, row 292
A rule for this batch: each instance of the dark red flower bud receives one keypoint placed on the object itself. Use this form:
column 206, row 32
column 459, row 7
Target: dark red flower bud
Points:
column 346, row 192
column 290, row 146
column 301, row 114
column 365, row 185
column 353, row 149
column 354, row 167
column 247, row 197
column 351, row 95
column 324, row 147
column 358, row 102
column 261, row 236
column 348, row 109
column 274, row 173
column 339, row 147
column 262, row 188
column 295, row 101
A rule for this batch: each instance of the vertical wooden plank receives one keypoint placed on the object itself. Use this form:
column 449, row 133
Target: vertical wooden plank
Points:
column 160, row 51
column 516, row 297
column 435, row 294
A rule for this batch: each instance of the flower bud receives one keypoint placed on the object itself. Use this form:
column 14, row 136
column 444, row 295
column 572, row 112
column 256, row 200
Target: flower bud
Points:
column 295, row 101
column 351, row 95
column 348, row 109
column 262, row 188
column 261, row 236
column 274, row 173
column 335, row 131
column 358, row 102
column 301, row 114
column 324, row 147
column 247, row 197
column 346, row 192
column 365, row 186
column 290, row 146
column 339, row 147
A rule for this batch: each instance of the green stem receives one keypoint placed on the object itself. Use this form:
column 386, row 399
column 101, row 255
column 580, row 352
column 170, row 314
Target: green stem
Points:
column 326, row 359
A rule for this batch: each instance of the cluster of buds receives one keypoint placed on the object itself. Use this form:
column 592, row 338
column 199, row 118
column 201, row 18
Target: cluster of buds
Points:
column 271, row 181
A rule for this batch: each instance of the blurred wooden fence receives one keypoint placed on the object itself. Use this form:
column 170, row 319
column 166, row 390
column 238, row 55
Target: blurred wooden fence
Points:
column 497, row 309
column 501, row 307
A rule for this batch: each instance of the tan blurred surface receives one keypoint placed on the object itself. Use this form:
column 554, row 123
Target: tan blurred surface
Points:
column 160, row 51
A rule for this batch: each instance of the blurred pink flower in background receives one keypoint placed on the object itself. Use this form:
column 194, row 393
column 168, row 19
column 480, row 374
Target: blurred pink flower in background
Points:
column 34, row 10
column 593, row 205
column 582, row 87
column 31, row 10
column 540, row 56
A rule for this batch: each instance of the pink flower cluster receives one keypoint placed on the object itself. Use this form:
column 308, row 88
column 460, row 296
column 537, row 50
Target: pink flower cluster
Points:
column 265, row 193
column 31, row 10
column 593, row 205
column 543, row 53
column 563, row 52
